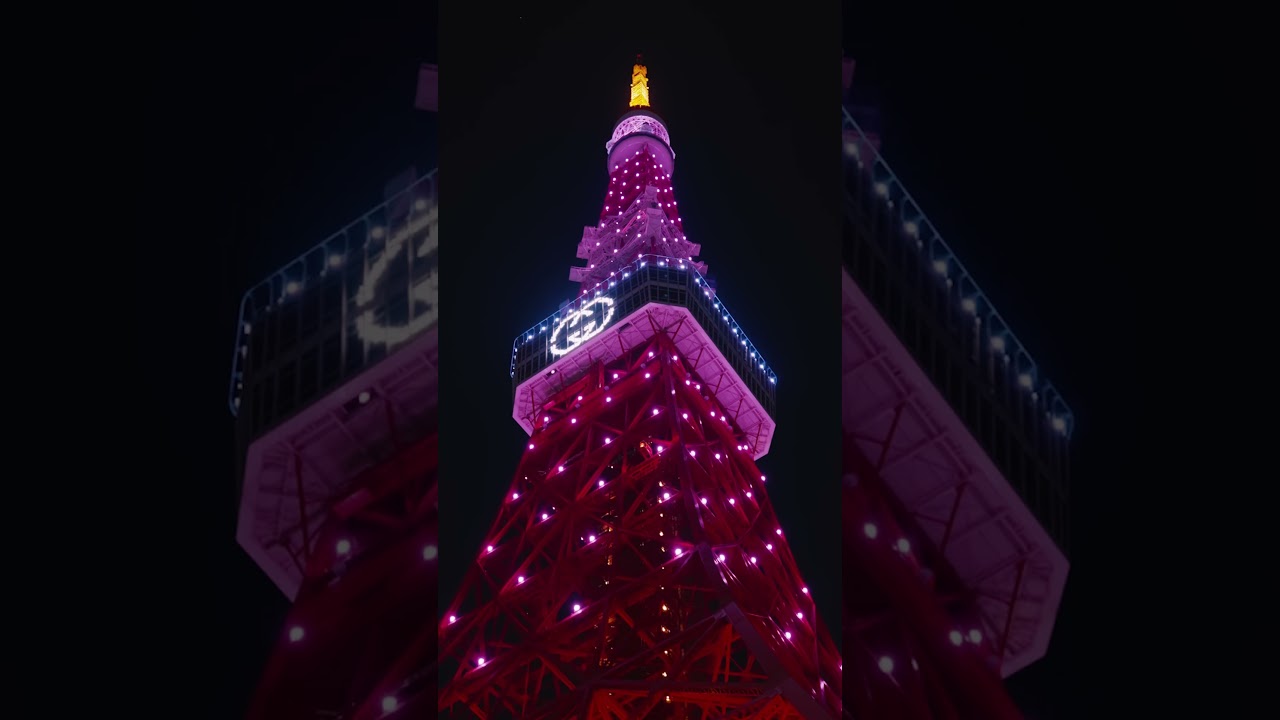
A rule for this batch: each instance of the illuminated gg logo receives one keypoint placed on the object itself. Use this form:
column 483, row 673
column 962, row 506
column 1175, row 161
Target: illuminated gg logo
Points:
column 581, row 325
column 425, row 293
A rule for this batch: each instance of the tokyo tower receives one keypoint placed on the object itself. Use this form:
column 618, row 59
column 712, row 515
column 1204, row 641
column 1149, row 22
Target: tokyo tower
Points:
column 955, row 461
column 334, row 386
column 636, row 568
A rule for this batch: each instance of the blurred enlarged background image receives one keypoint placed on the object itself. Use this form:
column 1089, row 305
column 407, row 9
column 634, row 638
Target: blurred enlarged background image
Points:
column 951, row 189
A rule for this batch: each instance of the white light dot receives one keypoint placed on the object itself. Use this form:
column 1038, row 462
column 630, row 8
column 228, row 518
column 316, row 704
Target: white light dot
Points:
column 296, row 634
column 975, row 636
column 666, row 496
column 804, row 590
column 480, row 662
column 591, row 538
column 577, row 607
column 955, row 637
column 799, row 616
column 489, row 549
column 721, row 557
column 870, row 530
column 453, row 619
column 545, row 516
column 515, row 496
column 363, row 397
column 600, row 483
column 731, row 501
column 561, row 469
column 679, row 552
column 430, row 552
column 704, row 501
column 778, row 531
column 886, row 664
column 530, row 446
column 344, row 547
column 768, row 546
column 753, row 559
column 520, row 580
column 904, row 546
column 389, row 703
column 787, row 634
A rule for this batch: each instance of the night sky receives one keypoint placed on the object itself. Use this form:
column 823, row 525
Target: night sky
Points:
column 280, row 131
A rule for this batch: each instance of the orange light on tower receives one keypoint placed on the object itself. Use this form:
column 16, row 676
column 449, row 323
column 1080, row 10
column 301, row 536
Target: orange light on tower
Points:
column 639, row 85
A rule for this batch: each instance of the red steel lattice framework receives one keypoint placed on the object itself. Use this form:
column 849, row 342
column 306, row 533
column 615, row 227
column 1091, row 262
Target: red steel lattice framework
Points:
column 344, row 650
column 636, row 569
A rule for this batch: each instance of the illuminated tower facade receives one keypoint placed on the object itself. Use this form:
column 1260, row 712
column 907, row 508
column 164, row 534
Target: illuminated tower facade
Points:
column 955, row 455
column 636, row 568
column 334, row 386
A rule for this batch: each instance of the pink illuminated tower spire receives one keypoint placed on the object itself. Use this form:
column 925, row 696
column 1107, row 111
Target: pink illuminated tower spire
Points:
column 640, row 214
column 636, row 567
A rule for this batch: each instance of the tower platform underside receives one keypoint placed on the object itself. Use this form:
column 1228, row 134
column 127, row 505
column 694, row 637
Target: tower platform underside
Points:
column 707, row 363
column 954, row 495
column 636, row 568
column 297, row 472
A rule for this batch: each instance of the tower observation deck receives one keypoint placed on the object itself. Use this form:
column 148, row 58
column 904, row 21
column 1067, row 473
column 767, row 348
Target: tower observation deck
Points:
column 334, row 389
column 956, row 462
column 636, row 568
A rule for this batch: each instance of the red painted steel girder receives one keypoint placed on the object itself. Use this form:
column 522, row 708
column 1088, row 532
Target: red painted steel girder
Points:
column 636, row 569
column 361, row 614
column 902, row 661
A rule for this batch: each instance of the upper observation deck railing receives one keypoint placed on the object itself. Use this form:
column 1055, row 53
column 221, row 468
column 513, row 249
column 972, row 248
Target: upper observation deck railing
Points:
column 648, row 278
column 999, row 343
column 339, row 307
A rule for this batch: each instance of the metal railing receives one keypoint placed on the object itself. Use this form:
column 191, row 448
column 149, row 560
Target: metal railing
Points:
column 357, row 244
column 652, row 278
column 915, row 228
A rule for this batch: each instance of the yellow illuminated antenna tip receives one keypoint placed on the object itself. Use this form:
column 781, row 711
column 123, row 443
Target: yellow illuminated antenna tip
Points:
column 639, row 85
